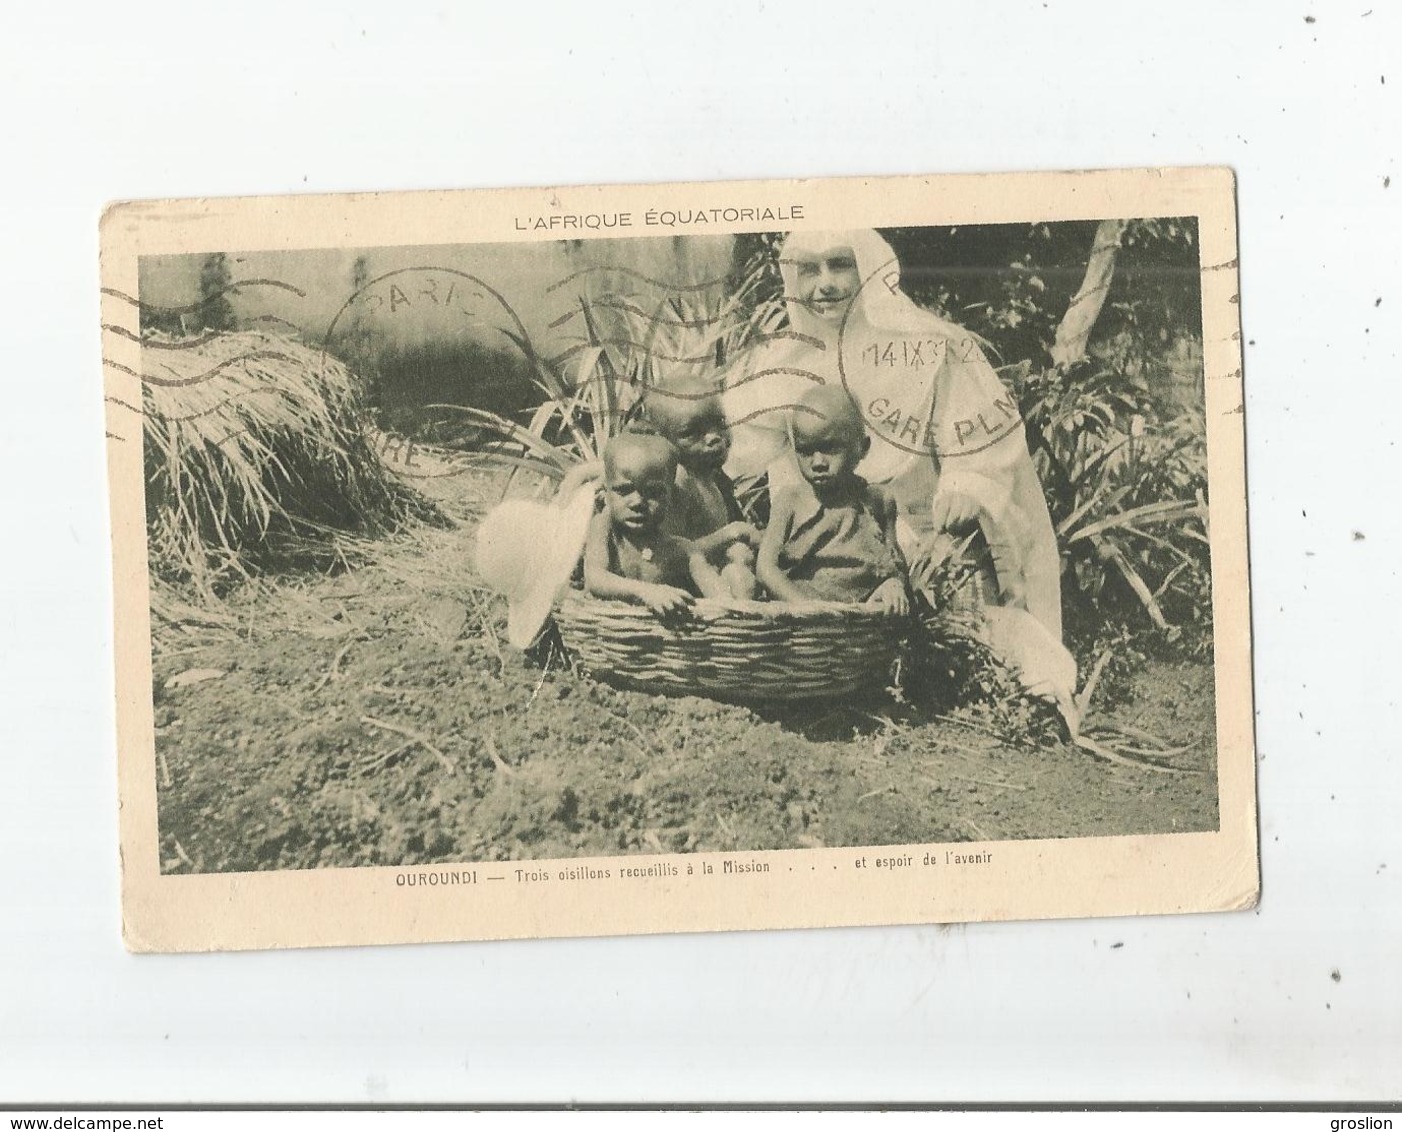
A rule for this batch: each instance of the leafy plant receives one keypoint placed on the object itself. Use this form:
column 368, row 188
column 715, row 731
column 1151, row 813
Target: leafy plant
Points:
column 1127, row 491
column 630, row 340
column 948, row 667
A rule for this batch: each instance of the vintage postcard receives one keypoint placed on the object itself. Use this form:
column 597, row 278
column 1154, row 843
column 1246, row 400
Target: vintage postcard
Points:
column 623, row 559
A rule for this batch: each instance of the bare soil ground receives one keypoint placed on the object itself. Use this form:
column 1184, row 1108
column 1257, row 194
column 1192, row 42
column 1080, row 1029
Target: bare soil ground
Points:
column 375, row 717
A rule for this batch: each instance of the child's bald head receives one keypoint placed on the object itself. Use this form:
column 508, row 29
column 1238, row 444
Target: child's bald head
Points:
column 826, row 411
column 829, row 439
column 640, row 472
column 690, row 415
column 639, row 455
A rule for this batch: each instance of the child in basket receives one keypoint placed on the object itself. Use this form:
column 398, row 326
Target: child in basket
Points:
column 833, row 536
column 705, row 510
column 628, row 555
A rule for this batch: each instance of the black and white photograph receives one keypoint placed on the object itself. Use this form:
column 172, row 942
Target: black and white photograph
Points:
column 473, row 560
column 761, row 558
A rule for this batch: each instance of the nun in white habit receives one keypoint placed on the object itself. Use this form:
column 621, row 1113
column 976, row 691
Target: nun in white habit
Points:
column 947, row 439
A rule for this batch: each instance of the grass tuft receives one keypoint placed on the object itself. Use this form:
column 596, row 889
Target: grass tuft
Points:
column 256, row 459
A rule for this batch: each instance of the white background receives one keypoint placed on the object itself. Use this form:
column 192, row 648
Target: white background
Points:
column 126, row 100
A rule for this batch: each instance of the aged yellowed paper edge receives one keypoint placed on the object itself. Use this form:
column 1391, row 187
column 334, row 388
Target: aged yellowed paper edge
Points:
column 803, row 888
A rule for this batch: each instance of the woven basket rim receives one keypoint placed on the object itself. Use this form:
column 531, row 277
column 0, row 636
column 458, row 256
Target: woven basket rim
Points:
column 739, row 651
column 736, row 610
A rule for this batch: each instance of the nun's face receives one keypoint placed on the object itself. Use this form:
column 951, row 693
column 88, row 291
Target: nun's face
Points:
column 827, row 282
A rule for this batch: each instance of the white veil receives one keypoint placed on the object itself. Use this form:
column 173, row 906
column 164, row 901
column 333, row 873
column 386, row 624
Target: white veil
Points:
column 941, row 420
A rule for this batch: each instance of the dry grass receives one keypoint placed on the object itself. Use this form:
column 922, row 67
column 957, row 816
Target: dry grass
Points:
column 256, row 459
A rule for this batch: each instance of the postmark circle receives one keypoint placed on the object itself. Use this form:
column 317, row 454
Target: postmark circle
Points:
column 892, row 377
column 428, row 292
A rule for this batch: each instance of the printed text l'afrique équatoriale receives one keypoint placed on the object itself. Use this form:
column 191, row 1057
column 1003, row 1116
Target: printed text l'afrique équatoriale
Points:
column 658, row 218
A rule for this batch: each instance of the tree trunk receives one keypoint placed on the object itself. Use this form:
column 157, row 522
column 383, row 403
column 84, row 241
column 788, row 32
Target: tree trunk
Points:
column 1074, row 332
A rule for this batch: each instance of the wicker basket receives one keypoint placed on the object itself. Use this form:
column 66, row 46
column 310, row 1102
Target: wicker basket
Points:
column 738, row 651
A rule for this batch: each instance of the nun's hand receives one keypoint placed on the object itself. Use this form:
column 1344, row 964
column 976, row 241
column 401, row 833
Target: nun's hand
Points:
column 955, row 512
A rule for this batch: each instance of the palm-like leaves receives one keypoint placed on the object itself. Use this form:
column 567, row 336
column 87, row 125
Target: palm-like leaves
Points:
column 625, row 342
column 1128, row 501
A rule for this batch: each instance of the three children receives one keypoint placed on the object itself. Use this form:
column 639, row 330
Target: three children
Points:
column 670, row 512
column 671, row 517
